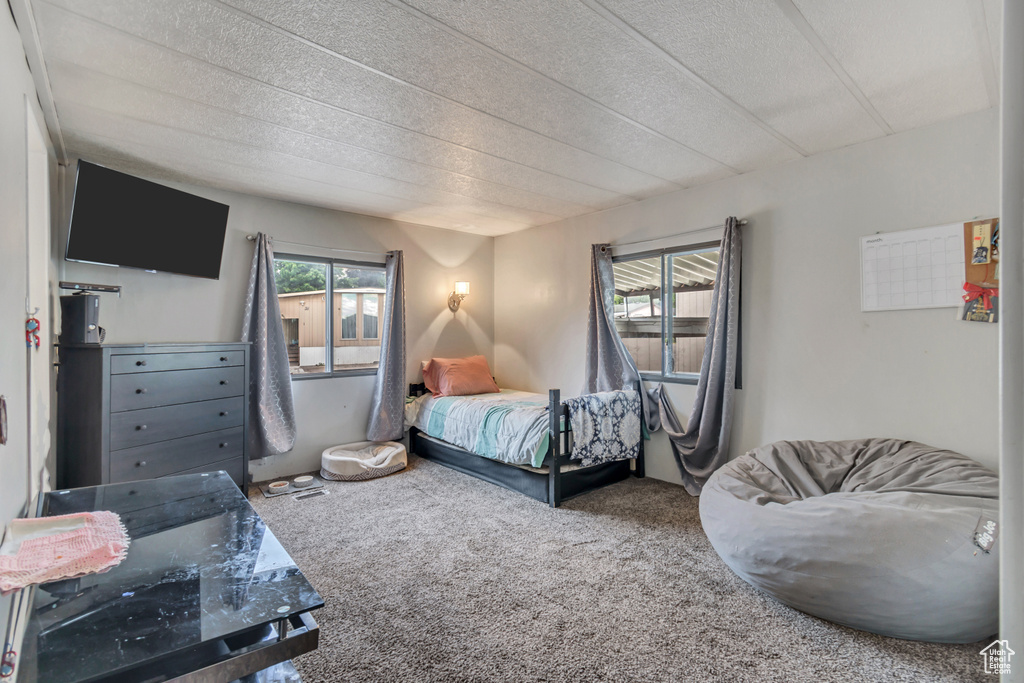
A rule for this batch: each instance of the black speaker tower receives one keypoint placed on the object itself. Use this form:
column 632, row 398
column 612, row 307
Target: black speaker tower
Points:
column 79, row 319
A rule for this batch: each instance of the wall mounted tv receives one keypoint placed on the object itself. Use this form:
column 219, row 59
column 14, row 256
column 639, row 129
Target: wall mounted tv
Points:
column 121, row 220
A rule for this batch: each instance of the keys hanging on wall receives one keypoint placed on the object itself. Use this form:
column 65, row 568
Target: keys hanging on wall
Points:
column 32, row 332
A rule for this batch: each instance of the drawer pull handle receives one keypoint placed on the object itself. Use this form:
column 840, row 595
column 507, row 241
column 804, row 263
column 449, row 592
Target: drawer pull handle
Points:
column 223, row 413
column 140, row 362
column 223, row 381
column 140, row 391
column 223, row 359
column 224, row 445
column 141, row 463
column 140, row 428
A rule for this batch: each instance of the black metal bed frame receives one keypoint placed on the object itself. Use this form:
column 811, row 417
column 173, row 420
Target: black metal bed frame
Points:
column 552, row 487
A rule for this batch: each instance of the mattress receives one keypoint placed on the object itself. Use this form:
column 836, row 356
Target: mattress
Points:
column 509, row 426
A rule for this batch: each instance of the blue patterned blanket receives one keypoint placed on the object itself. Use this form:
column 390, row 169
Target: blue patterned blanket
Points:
column 605, row 426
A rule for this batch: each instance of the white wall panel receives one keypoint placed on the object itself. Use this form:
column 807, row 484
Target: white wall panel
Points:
column 39, row 295
column 993, row 17
column 27, row 428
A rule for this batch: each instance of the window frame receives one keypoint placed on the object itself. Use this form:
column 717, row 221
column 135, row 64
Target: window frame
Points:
column 662, row 376
column 330, row 370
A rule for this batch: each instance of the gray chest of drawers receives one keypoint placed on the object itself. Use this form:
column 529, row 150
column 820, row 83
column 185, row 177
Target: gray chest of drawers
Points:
column 137, row 411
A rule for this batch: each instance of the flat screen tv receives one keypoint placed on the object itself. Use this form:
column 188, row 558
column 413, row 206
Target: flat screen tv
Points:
column 121, row 220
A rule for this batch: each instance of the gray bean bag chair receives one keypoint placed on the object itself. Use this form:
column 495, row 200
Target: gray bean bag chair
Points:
column 876, row 534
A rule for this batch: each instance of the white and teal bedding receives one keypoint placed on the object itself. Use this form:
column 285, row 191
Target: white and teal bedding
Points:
column 510, row 426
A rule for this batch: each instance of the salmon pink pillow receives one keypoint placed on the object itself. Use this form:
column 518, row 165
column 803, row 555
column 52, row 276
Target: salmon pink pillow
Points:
column 458, row 376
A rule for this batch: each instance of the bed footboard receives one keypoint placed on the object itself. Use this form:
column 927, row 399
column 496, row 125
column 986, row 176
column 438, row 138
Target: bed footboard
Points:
column 556, row 415
column 564, row 485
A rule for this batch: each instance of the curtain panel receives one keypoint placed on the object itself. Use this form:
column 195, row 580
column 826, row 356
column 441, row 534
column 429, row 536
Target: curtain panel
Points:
column 271, row 410
column 609, row 366
column 387, row 412
column 703, row 446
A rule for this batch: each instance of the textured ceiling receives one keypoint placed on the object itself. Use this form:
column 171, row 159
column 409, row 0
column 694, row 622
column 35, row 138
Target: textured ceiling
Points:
column 491, row 116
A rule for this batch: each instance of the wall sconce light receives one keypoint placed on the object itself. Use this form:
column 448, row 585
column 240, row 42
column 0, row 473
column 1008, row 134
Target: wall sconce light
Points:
column 456, row 297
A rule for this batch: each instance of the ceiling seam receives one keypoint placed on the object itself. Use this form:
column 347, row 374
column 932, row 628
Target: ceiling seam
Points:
column 45, row 93
column 469, row 40
column 293, row 156
column 230, row 186
column 798, row 20
column 316, row 137
column 979, row 26
column 313, row 100
column 430, row 93
column 734, row 106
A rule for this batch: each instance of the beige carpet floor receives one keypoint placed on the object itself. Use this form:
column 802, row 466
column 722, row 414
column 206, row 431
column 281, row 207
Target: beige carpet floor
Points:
column 431, row 575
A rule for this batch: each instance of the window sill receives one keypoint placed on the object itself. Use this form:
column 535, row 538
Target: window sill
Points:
column 361, row 372
column 670, row 379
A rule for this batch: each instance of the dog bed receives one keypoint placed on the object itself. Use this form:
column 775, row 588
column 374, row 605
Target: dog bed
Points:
column 363, row 460
column 881, row 535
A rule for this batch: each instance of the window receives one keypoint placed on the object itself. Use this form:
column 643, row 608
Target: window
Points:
column 662, row 303
column 351, row 316
column 349, row 302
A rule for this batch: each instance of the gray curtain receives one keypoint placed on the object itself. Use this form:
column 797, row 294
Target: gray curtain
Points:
column 387, row 412
column 703, row 446
column 609, row 366
column 271, row 412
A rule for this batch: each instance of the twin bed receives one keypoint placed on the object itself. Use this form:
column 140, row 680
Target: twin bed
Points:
column 521, row 441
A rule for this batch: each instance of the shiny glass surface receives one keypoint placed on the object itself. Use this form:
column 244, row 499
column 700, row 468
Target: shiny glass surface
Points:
column 202, row 566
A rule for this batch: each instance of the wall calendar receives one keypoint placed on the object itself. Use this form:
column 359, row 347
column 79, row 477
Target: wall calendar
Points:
column 920, row 268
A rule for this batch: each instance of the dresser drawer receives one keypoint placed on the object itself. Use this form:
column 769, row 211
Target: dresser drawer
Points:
column 138, row 427
column 233, row 467
column 141, row 517
column 156, row 362
column 191, row 453
column 150, row 389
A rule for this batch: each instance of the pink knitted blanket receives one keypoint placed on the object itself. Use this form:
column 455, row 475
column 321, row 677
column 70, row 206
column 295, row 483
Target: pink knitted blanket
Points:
column 61, row 547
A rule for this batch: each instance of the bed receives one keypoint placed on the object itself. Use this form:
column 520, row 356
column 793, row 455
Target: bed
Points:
column 518, row 440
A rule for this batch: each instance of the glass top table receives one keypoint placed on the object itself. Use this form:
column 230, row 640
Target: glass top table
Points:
column 205, row 587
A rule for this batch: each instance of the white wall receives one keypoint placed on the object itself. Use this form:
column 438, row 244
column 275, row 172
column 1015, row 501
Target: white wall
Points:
column 814, row 366
column 18, row 109
column 158, row 307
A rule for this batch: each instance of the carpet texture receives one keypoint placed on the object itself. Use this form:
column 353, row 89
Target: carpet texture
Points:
column 432, row 575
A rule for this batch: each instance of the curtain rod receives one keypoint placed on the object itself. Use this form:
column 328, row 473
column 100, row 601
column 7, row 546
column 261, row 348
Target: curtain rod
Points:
column 668, row 237
column 252, row 238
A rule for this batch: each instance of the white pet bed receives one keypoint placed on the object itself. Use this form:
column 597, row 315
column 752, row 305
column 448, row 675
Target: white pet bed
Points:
column 363, row 460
